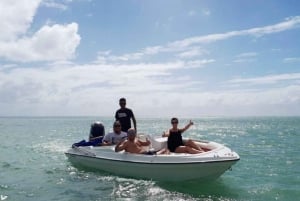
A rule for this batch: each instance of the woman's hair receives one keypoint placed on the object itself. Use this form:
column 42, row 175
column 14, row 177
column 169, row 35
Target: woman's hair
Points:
column 174, row 119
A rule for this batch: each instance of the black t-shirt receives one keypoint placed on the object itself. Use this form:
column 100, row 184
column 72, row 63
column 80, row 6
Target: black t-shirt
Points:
column 124, row 116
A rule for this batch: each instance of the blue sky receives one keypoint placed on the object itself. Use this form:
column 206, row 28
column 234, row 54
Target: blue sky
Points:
column 168, row 58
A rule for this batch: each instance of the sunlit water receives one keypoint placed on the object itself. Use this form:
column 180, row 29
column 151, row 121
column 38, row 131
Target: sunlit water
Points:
column 33, row 165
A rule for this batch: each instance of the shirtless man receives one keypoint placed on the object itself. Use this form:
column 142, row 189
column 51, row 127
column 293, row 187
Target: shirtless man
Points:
column 134, row 146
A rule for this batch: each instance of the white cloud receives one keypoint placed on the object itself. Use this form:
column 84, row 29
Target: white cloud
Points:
column 245, row 60
column 193, row 52
column 16, row 17
column 291, row 60
column 187, row 48
column 270, row 79
column 206, row 12
column 54, row 4
column 246, row 57
column 65, row 88
column 198, row 63
column 289, row 23
column 91, row 89
column 271, row 101
column 247, row 54
column 56, row 42
column 78, row 89
column 192, row 13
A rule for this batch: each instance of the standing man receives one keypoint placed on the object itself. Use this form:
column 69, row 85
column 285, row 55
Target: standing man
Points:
column 124, row 116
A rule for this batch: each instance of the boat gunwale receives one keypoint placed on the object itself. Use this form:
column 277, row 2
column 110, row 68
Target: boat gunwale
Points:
column 155, row 163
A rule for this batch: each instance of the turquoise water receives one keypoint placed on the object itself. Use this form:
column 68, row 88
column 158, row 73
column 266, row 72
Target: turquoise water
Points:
column 33, row 165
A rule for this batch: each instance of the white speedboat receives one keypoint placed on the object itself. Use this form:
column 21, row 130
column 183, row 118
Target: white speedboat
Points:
column 173, row 167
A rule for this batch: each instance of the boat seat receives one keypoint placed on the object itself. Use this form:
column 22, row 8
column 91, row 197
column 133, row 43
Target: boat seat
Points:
column 158, row 143
column 143, row 137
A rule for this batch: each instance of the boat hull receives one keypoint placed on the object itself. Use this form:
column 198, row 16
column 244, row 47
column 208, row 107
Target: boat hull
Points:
column 155, row 171
column 175, row 167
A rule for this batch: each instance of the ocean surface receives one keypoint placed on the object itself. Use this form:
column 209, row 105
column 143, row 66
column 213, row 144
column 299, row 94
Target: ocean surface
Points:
column 33, row 165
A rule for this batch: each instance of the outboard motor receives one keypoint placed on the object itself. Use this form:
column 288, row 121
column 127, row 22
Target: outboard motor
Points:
column 97, row 130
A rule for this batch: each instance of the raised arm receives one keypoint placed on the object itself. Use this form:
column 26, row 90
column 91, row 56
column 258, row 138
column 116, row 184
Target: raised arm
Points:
column 188, row 126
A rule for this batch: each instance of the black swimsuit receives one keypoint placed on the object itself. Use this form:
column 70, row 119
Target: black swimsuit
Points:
column 174, row 140
column 149, row 153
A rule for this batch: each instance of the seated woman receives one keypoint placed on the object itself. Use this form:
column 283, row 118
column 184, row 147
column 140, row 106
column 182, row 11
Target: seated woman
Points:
column 175, row 142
